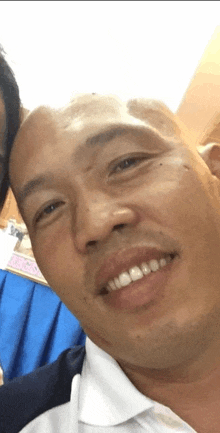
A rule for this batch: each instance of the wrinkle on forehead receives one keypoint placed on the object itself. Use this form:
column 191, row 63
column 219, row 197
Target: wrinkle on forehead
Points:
column 39, row 127
column 92, row 113
column 156, row 114
column 150, row 112
column 85, row 106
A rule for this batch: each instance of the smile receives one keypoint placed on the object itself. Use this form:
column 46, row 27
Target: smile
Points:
column 137, row 273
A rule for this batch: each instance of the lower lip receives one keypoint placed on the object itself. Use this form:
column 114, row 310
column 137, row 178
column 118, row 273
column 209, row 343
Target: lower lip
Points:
column 140, row 292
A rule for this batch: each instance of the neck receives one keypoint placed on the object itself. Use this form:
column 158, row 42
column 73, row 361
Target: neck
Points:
column 190, row 390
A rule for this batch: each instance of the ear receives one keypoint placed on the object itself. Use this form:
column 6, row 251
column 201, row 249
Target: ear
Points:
column 210, row 153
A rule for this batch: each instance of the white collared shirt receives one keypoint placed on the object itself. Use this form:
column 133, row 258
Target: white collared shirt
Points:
column 109, row 402
column 103, row 400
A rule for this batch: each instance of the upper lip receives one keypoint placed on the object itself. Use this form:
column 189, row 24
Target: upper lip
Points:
column 123, row 260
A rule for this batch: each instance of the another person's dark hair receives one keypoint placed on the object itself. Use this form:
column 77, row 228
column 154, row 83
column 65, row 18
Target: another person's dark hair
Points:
column 10, row 93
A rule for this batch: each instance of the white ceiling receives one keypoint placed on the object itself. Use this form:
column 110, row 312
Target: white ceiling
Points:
column 130, row 48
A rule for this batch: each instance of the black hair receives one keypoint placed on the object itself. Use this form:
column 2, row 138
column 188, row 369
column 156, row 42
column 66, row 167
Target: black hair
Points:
column 10, row 94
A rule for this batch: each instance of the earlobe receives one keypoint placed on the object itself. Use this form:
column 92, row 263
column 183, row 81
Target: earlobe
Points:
column 210, row 153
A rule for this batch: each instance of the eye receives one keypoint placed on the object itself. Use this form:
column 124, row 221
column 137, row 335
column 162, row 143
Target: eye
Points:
column 125, row 164
column 47, row 211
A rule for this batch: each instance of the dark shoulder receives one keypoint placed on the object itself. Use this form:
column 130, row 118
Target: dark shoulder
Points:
column 27, row 397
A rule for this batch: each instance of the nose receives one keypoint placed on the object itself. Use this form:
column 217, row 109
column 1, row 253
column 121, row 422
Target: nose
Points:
column 98, row 216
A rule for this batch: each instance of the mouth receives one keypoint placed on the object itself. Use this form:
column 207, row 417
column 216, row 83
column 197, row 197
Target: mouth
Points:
column 133, row 278
column 136, row 273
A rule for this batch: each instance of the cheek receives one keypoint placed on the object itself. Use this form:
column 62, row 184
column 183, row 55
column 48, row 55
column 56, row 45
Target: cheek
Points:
column 182, row 203
column 188, row 205
column 59, row 263
column 178, row 197
column 160, row 194
column 175, row 197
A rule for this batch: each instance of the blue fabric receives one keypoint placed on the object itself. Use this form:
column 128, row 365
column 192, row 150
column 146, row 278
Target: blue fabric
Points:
column 35, row 326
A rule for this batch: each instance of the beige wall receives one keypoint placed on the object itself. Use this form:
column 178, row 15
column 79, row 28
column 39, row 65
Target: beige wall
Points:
column 200, row 108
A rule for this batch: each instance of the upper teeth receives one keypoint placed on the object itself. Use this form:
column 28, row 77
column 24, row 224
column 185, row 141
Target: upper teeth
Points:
column 137, row 272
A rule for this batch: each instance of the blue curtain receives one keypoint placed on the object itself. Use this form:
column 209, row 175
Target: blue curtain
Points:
column 35, row 326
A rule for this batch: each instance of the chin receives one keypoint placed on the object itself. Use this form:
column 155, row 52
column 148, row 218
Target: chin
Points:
column 167, row 345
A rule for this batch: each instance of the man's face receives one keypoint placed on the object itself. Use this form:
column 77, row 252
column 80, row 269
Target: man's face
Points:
column 105, row 188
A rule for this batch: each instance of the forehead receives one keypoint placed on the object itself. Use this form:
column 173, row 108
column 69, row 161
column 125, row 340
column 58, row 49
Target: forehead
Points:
column 86, row 117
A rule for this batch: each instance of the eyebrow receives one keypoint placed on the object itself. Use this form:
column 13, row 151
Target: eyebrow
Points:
column 109, row 135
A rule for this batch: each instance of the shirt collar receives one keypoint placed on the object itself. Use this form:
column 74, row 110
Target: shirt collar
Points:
column 107, row 397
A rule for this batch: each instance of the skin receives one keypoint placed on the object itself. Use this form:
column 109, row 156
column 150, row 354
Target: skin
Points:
column 166, row 196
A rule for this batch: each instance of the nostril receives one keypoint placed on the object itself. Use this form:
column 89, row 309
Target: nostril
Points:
column 91, row 243
column 118, row 226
